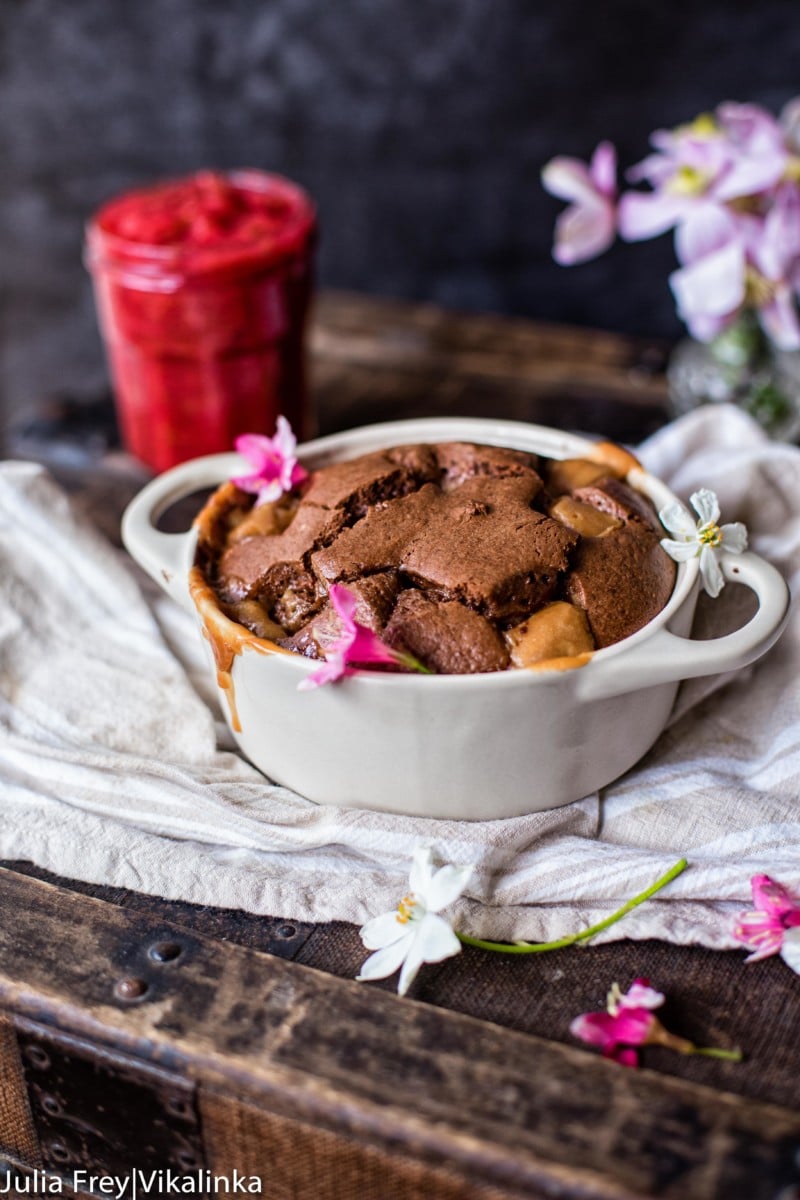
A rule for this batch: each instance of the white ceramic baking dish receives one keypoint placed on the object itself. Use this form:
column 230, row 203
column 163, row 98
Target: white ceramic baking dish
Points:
column 475, row 747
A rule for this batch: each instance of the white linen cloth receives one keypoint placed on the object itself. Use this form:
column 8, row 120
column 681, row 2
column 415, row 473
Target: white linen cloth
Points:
column 115, row 766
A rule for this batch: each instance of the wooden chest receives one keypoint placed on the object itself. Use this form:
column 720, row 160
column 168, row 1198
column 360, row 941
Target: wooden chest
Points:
column 195, row 1051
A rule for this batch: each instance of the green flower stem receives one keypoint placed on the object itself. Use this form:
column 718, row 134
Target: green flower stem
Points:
column 713, row 1052
column 572, row 938
column 405, row 659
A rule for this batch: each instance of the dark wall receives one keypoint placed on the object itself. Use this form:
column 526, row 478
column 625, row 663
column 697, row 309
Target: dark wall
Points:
column 420, row 126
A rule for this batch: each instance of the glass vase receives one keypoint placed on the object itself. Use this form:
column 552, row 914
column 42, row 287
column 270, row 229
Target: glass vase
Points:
column 742, row 367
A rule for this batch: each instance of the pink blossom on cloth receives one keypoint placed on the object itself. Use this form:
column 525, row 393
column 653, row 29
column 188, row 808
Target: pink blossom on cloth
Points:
column 775, row 912
column 276, row 469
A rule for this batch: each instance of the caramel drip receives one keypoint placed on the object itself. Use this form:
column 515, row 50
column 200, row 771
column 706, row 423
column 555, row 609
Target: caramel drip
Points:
column 620, row 461
column 569, row 663
column 226, row 638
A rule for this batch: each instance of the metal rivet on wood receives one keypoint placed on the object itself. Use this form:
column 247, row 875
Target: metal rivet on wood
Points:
column 164, row 952
column 37, row 1058
column 130, row 988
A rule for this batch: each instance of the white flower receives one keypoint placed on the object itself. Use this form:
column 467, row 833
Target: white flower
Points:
column 706, row 539
column 414, row 933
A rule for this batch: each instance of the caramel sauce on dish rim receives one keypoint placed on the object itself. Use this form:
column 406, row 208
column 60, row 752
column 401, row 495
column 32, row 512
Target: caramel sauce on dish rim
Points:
column 228, row 639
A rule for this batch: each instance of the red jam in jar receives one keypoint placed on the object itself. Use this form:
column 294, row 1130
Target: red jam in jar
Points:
column 202, row 288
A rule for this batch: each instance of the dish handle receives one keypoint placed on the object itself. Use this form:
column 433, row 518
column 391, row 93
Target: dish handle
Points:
column 665, row 657
column 166, row 557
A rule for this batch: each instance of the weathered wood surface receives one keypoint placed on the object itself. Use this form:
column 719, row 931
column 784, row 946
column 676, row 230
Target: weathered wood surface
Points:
column 364, row 1093
column 377, row 360
column 500, row 1109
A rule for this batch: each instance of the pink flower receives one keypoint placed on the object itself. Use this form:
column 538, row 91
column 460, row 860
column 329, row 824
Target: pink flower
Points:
column 757, row 151
column 774, row 268
column 709, row 288
column 588, row 226
column 276, row 467
column 627, row 1022
column 356, row 646
column 728, row 183
column 732, row 260
column 737, row 152
column 776, row 911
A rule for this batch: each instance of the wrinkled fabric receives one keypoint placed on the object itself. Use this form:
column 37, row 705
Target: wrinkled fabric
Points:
column 116, row 767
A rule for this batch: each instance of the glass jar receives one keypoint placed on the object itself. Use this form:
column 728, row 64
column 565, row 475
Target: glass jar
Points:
column 202, row 288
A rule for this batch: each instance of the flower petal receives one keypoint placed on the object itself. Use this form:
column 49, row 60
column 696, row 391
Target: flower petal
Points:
column 250, row 483
column 677, row 519
column 568, row 179
column 595, row 1028
column 765, row 951
column 760, row 933
column 680, row 551
column 446, row 886
column 385, row 962
column 790, row 123
column 421, row 872
column 632, row 1026
column 276, row 468
column 713, row 286
column 344, row 604
column 436, row 939
column 626, row 1056
column 284, row 440
column 780, row 320
column 707, row 228
column 647, row 214
column 382, row 931
column 641, row 995
column 603, row 169
column 772, row 898
column 333, row 669
column 706, row 505
column 748, row 175
column 367, row 647
column 411, row 966
column 255, row 447
column 432, row 941
column 734, row 537
column 791, row 949
column 713, row 579
column 704, row 328
column 583, row 231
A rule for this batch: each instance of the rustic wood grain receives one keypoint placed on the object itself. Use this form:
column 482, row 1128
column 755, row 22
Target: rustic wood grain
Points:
column 501, row 1108
column 376, row 360
column 541, row 993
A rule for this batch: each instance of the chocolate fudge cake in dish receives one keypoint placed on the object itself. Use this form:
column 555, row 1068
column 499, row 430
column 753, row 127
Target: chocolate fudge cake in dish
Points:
column 501, row 569
column 470, row 558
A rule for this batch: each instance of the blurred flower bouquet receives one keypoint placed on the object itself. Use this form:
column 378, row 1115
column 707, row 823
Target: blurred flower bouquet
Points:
column 728, row 184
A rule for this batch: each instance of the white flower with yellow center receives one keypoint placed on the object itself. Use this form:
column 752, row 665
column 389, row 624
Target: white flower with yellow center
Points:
column 414, row 933
column 705, row 539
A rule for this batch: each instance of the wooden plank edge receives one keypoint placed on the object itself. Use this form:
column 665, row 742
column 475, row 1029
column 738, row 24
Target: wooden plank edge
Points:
column 304, row 1043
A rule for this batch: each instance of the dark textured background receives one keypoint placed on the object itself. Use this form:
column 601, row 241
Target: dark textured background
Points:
column 420, row 126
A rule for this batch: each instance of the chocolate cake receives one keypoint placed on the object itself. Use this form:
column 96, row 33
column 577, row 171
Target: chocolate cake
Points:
column 470, row 558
